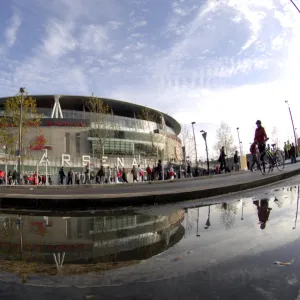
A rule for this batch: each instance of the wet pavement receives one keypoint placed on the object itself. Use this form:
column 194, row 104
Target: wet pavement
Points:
column 224, row 249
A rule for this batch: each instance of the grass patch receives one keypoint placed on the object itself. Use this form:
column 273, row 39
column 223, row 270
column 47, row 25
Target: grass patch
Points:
column 24, row 269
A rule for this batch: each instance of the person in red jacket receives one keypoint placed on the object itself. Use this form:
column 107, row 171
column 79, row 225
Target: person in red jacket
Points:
column 149, row 172
column 260, row 137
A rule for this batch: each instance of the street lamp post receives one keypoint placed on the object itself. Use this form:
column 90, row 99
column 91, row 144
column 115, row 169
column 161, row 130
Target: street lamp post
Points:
column 22, row 91
column 46, row 165
column 242, row 217
column 296, row 146
column 198, row 234
column 204, row 135
column 240, row 143
column 298, row 195
column 295, row 6
column 193, row 123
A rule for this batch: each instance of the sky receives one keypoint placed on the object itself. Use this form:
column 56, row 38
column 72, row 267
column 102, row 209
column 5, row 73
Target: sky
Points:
column 203, row 61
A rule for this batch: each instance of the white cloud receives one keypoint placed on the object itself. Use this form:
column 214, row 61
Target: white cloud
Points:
column 12, row 29
column 138, row 23
column 93, row 38
column 59, row 39
column 114, row 24
column 278, row 42
column 135, row 46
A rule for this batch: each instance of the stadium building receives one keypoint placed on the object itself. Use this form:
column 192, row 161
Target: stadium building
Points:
column 71, row 133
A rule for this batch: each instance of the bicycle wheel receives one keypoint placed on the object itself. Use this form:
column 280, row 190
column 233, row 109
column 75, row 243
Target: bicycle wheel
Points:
column 280, row 160
column 265, row 166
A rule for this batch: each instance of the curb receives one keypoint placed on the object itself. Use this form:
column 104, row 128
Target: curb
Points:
column 88, row 202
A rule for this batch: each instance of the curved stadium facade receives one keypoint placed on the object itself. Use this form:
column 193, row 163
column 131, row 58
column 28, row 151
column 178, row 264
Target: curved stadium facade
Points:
column 68, row 128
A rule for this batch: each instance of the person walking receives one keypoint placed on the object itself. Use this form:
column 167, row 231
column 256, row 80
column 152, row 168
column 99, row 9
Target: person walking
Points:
column 172, row 173
column 285, row 151
column 288, row 148
column 14, row 177
column 2, row 177
column 140, row 173
column 62, row 175
column 82, row 178
column 254, row 152
column 293, row 154
column 260, row 138
column 116, row 174
column 159, row 170
column 236, row 162
column 77, row 180
column 124, row 176
column 149, row 173
column 189, row 171
column 134, row 174
column 9, row 177
column 70, row 177
column 25, row 179
column 102, row 175
column 87, row 174
column 108, row 175
column 222, row 160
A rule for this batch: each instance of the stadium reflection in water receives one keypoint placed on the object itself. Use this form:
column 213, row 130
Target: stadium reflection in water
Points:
column 197, row 237
column 92, row 239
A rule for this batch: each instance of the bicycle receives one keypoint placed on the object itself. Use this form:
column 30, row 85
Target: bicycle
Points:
column 271, row 159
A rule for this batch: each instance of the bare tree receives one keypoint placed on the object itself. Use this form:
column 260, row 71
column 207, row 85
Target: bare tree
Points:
column 102, row 123
column 187, row 140
column 156, row 134
column 228, row 213
column 274, row 136
column 225, row 138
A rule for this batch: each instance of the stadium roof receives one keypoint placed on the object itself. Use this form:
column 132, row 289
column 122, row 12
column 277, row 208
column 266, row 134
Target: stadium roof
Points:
column 78, row 103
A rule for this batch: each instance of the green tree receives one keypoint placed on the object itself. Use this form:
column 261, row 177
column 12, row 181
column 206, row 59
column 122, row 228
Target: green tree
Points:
column 225, row 138
column 9, row 123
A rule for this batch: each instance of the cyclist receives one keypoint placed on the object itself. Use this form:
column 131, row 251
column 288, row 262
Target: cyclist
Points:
column 260, row 138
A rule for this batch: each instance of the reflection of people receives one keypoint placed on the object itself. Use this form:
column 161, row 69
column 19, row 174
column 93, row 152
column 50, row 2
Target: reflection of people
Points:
column 263, row 212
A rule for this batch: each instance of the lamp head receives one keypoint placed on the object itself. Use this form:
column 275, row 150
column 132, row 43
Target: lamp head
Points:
column 193, row 123
column 22, row 90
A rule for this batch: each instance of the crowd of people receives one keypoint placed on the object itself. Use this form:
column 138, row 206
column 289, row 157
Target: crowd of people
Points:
column 115, row 175
column 34, row 179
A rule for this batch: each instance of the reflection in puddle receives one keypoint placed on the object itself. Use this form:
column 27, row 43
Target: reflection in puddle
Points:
column 108, row 240
column 232, row 217
column 200, row 237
